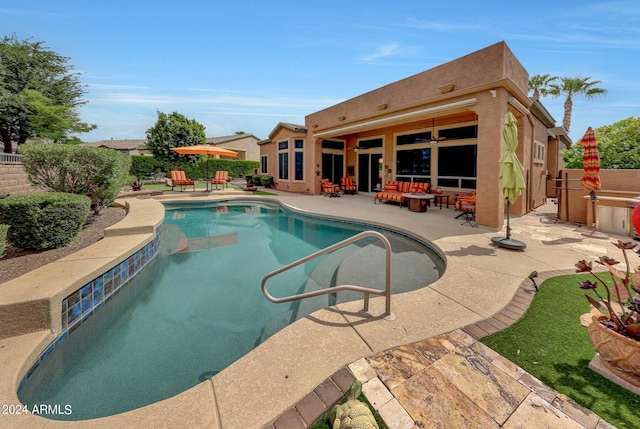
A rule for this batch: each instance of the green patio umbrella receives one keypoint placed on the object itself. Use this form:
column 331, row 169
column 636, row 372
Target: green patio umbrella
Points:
column 511, row 177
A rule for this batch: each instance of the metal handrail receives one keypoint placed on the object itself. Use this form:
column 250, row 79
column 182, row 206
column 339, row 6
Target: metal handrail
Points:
column 388, row 315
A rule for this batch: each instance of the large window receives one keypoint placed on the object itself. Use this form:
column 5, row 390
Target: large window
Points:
column 457, row 166
column 298, row 158
column 283, row 160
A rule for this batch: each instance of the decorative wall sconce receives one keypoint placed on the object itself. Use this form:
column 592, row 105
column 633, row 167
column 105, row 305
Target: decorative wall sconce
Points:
column 317, row 169
column 493, row 92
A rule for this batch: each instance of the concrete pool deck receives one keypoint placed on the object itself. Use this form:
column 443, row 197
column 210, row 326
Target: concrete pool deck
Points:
column 286, row 379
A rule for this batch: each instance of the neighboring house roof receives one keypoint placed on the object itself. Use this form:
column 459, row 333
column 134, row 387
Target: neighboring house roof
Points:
column 286, row 125
column 226, row 139
column 118, row 144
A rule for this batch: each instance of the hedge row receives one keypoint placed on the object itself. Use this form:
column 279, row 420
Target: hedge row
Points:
column 45, row 220
column 3, row 238
column 144, row 167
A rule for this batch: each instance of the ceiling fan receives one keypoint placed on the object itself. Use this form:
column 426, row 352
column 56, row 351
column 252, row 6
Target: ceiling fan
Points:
column 433, row 140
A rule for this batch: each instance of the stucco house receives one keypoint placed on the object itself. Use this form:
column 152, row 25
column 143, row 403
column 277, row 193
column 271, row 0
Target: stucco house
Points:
column 442, row 126
column 245, row 144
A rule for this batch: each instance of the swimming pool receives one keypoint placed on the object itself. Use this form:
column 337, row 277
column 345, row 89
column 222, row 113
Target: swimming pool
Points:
column 198, row 307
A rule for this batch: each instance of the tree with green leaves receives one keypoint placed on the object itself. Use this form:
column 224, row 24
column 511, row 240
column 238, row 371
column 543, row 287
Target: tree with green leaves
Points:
column 39, row 94
column 540, row 84
column 570, row 86
column 174, row 130
column 618, row 146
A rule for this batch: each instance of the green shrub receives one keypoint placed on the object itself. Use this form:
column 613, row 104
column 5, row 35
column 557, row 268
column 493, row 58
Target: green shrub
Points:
column 45, row 220
column 143, row 166
column 235, row 168
column 98, row 173
column 3, row 238
column 267, row 181
column 257, row 179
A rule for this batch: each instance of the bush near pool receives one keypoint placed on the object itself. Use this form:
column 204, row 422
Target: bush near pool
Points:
column 45, row 220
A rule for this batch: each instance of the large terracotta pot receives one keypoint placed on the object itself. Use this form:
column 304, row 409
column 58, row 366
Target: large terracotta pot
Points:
column 620, row 354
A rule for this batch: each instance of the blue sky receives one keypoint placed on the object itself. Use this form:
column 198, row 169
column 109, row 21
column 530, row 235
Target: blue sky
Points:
column 247, row 65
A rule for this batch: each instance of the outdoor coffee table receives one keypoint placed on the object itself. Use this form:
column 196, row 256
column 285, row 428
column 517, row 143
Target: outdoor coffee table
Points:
column 418, row 201
column 440, row 197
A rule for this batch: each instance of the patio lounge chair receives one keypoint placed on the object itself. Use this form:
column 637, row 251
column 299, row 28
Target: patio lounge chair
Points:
column 222, row 177
column 466, row 203
column 347, row 185
column 179, row 178
column 329, row 189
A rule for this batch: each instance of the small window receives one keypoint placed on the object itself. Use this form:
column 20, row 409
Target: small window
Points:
column 370, row 143
column 458, row 133
column 298, row 144
column 332, row 144
column 417, row 138
column 283, row 145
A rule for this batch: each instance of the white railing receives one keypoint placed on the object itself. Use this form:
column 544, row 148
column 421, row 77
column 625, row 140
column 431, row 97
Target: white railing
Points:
column 10, row 158
column 388, row 315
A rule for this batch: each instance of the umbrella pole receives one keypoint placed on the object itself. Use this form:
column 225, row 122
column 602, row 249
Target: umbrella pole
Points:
column 593, row 209
column 508, row 219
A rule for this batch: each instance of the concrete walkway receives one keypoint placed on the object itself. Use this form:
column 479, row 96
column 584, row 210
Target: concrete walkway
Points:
column 437, row 375
column 424, row 366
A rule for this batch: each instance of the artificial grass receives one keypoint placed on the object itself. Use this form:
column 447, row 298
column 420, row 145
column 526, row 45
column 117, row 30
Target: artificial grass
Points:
column 549, row 343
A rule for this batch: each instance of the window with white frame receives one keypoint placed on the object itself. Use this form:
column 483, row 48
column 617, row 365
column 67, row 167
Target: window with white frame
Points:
column 538, row 152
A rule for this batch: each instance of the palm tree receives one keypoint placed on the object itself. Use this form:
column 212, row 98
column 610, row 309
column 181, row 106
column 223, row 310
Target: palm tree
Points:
column 541, row 85
column 571, row 86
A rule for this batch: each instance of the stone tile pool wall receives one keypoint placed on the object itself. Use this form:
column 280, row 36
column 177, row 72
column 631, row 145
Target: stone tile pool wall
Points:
column 84, row 302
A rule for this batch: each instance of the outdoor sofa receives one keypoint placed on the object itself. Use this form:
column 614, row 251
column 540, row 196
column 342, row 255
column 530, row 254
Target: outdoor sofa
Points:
column 393, row 191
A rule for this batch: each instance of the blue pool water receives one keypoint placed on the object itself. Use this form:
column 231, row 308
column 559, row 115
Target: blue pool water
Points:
column 198, row 306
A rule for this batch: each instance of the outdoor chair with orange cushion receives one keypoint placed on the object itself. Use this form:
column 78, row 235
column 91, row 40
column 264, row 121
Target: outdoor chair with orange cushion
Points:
column 222, row 177
column 329, row 189
column 179, row 178
column 466, row 203
column 347, row 185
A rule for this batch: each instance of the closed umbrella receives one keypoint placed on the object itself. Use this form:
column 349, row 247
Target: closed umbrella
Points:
column 205, row 149
column 591, row 167
column 511, row 178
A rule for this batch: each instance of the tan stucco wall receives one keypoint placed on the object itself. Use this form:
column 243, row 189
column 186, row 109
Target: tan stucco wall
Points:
column 478, row 88
column 271, row 151
column 246, row 147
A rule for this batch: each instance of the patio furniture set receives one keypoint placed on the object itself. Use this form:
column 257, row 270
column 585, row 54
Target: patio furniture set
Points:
column 417, row 196
column 179, row 178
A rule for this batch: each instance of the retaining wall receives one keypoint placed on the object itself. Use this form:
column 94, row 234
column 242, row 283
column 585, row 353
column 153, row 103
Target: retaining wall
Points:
column 13, row 180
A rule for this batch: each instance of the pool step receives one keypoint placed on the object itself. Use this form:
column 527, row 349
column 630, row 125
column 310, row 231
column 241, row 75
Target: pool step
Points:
column 323, row 276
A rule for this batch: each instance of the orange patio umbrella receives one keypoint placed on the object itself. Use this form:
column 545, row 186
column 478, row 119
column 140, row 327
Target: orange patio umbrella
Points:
column 205, row 149
column 591, row 166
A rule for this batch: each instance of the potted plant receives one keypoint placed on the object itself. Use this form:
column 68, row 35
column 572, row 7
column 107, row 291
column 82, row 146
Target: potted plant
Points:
column 615, row 333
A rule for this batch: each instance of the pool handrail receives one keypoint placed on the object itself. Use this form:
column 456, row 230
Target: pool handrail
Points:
column 388, row 315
